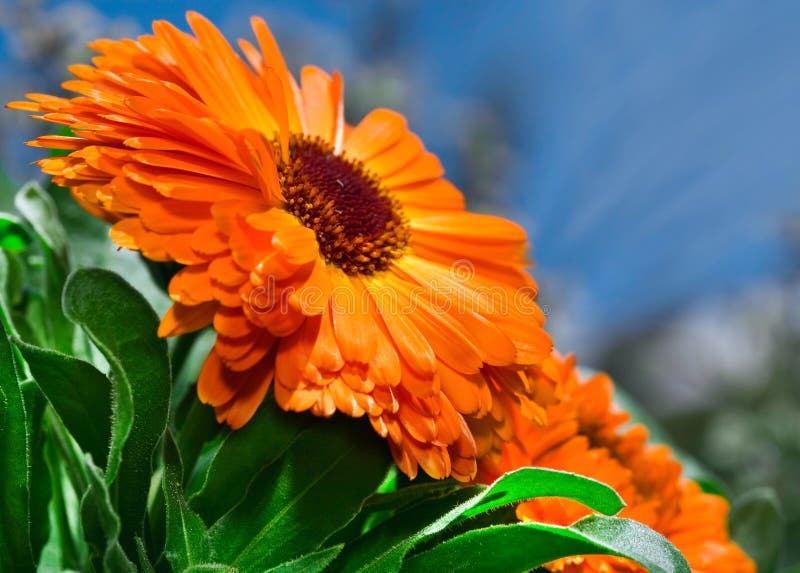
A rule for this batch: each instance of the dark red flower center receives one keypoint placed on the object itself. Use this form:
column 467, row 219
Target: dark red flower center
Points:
column 359, row 226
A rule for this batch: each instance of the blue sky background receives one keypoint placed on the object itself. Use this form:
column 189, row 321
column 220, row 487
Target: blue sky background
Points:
column 650, row 148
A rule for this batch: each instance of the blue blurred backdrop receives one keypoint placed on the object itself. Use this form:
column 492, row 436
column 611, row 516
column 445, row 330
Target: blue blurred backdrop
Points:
column 649, row 147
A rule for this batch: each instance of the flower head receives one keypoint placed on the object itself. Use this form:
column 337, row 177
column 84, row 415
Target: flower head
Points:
column 334, row 260
column 587, row 434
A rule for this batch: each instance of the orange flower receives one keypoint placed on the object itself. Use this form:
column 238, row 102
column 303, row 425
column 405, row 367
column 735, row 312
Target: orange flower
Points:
column 328, row 257
column 585, row 434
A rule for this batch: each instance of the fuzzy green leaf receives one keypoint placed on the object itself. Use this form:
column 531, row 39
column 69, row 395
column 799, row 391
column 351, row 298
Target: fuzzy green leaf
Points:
column 79, row 393
column 524, row 546
column 384, row 548
column 187, row 537
column 144, row 561
column 311, row 563
column 40, row 211
column 757, row 525
column 101, row 524
column 15, row 548
column 295, row 504
column 123, row 326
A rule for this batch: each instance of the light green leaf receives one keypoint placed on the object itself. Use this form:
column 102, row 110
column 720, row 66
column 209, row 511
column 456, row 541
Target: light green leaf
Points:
column 79, row 393
column 311, row 563
column 39, row 210
column 243, row 454
column 295, row 504
column 528, row 483
column 144, row 561
column 123, row 327
column 65, row 548
column 383, row 548
column 15, row 549
column 187, row 538
column 757, row 525
column 524, row 546
column 13, row 236
column 101, row 524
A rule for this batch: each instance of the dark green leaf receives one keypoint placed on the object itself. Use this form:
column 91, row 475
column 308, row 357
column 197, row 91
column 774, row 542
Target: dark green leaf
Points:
column 311, row 563
column 384, row 548
column 407, row 496
column 242, row 455
column 39, row 477
column 123, row 326
column 15, row 549
column 187, row 538
column 79, row 393
column 200, row 425
column 382, row 506
column 523, row 546
column 101, row 525
column 295, row 504
column 756, row 524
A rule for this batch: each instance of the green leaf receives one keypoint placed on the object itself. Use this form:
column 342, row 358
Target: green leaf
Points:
column 39, row 210
column 524, row 546
column 757, row 526
column 243, row 454
column 123, row 326
column 187, row 537
column 295, row 504
column 15, row 548
column 384, row 548
column 212, row 568
column 101, row 524
column 38, row 475
column 311, row 563
column 200, row 425
column 144, row 561
column 79, row 393
column 13, row 236
column 528, row 483
column 65, row 550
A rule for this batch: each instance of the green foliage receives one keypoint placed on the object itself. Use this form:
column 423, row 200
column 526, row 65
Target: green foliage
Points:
column 15, row 550
column 757, row 526
column 93, row 479
column 78, row 392
column 523, row 546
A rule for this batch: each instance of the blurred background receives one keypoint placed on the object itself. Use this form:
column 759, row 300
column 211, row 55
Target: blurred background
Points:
column 649, row 148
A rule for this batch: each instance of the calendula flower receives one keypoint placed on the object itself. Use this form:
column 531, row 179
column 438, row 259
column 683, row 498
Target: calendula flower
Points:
column 586, row 433
column 334, row 260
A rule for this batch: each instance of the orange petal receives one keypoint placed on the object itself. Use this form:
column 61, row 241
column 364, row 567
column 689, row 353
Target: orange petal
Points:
column 379, row 130
column 182, row 319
